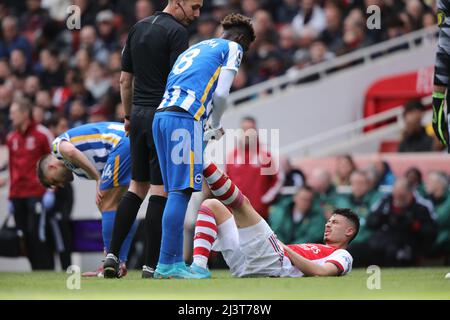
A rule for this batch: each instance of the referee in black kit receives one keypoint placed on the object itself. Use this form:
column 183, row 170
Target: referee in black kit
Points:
column 152, row 47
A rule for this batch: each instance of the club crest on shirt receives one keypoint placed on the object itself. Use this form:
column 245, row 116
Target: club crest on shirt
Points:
column 30, row 143
column 198, row 178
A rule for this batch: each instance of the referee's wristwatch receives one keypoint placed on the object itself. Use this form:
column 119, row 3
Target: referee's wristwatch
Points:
column 127, row 117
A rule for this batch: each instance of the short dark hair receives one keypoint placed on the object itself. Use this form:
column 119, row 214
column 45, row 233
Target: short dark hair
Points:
column 306, row 188
column 249, row 118
column 413, row 105
column 351, row 216
column 42, row 163
column 240, row 22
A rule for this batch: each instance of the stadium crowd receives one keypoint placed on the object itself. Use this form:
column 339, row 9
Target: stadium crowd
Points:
column 405, row 220
column 74, row 74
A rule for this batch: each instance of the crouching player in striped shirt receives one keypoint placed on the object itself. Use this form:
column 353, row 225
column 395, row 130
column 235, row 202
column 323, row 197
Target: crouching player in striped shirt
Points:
column 100, row 152
column 249, row 246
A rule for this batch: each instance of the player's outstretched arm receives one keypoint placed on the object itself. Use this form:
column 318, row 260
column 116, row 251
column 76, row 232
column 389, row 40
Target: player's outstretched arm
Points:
column 76, row 157
column 220, row 97
column 310, row 268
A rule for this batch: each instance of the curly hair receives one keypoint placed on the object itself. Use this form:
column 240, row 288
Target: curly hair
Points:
column 236, row 20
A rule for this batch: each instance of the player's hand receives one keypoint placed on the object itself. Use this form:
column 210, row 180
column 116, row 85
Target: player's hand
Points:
column 440, row 126
column 98, row 195
column 213, row 134
column 126, row 124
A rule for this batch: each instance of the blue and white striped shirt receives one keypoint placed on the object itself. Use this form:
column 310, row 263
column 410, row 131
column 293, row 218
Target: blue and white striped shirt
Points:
column 96, row 141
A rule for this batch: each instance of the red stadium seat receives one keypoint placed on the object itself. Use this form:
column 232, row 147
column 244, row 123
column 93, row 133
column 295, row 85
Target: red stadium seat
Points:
column 389, row 146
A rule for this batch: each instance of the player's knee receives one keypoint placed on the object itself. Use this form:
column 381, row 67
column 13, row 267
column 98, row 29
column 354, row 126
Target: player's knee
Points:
column 213, row 204
column 245, row 201
column 218, row 209
column 158, row 190
column 139, row 188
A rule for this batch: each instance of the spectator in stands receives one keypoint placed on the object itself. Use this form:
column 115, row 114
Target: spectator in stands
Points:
column 414, row 9
column 18, row 63
column 293, row 177
column 78, row 92
column 44, row 101
column 6, row 97
column 106, row 30
column 51, row 71
column 403, row 227
column 82, row 61
column 325, row 192
column 385, row 176
column 143, row 9
column 78, row 114
column 26, row 144
column 246, row 165
column 332, row 35
column 310, row 14
column 414, row 177
column 206, row 26
column 415, row 137
column 354, row 36
column 31, row 87
column 12, row 39
column 297, row 220
column 250, row 7
column 95, row 46
column 33, row 20
column 345, row 166
column 437, row 187
column 286, row 12
column 319, row 52
column 360, row 200
column 97, row 80
column 5, row 71
column 288, row 45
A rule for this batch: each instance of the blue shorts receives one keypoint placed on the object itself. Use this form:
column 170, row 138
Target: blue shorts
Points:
column 179, row 143
column 117, row 170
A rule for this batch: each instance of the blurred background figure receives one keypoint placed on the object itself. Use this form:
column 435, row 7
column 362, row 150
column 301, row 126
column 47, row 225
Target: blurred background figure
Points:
column 415, row 137
column 345, row 166
column 437, row 188
column 403, row 228
column 26, row 145
column 325, row 192
column 245, row 166
column 60, row 212
column 298, row 219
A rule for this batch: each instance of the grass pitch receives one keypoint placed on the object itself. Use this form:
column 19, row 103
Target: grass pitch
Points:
column 410, row 283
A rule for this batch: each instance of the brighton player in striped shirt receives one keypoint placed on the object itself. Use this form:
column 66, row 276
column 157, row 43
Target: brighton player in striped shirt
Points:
column 197, row 89
column 249, row 246
column 100, row 152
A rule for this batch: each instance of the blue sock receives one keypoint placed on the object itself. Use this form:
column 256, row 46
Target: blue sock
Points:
column 173, row 228
column 108, row 218
column 107, row 227
column 125, row 248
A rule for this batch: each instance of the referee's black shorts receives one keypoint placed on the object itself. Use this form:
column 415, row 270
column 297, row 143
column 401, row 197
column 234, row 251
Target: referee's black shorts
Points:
column 144, row 159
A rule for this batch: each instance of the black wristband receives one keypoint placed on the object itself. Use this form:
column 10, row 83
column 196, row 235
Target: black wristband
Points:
column 127, row 117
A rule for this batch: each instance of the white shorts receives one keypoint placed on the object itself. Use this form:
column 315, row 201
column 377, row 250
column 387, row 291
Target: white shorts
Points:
column 251, row 251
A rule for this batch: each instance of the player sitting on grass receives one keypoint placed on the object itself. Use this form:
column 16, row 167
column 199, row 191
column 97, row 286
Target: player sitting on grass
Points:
column 250, row 247
column 99, row 152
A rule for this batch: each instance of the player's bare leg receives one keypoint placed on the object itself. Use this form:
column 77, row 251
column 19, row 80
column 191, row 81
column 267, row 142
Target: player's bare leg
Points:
column 108, row 207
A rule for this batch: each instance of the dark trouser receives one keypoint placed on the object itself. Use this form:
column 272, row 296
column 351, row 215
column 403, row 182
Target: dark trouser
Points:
column 30, row 218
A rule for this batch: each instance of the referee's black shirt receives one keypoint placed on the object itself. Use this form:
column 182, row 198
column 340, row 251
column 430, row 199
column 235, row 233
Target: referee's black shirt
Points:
column 152, row 47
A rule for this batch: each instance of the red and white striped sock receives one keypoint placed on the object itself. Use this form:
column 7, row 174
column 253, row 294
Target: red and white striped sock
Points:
column 222, row 187
column 205, row 235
